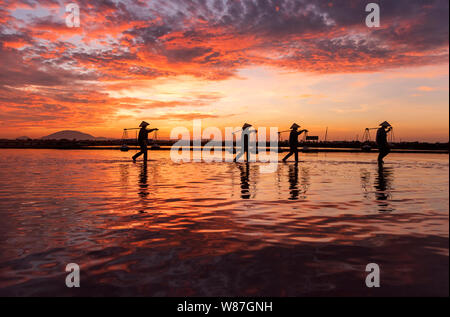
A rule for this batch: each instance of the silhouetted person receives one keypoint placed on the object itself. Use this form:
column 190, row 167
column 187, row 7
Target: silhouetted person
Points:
column 245, row 186
column 293, row 142
column 143, row 140
column 244, row 142
column 293, row 181
column 383, row 145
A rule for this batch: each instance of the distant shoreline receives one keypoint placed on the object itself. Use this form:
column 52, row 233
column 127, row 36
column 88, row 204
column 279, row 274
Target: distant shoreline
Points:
column 308, row 147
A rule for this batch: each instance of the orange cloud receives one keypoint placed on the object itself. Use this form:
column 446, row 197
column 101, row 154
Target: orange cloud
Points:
column 53, row 75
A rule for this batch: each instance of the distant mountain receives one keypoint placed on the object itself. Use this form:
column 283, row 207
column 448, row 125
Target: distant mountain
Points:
column 69, row 135
column 23, row 138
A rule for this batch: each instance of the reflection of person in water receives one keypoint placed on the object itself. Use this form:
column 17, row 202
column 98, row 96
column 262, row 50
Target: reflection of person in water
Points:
column 383, row 186
column 293, row 181
column 245, row 182
column 143, row 186
column 295, row 187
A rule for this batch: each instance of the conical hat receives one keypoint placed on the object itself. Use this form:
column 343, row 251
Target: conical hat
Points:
column 144, row 124
column 295, row 126
column 245, row 126
column 385, row 124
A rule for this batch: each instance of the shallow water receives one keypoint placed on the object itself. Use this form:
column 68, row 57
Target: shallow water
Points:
column 222, row 229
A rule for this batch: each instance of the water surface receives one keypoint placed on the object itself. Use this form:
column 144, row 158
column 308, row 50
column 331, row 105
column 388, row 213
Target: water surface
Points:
column 222, row 229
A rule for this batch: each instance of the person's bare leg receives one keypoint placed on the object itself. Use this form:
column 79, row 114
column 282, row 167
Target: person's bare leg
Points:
column 145, row 155
column 382, row 154
column 287, row 156
column 380, row 159
column 238, row 156
column 136, row 156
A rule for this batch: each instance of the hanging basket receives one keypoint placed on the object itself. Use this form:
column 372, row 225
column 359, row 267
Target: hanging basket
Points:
column 155, row 146
column 124, row 147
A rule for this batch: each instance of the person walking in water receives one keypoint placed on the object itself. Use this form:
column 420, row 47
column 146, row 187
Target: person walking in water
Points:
column 383, row 145
column 143, row 140
column 244, row 141
column 293, row 141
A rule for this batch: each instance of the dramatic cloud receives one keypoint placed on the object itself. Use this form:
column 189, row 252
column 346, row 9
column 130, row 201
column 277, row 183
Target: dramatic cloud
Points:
column 51, row 73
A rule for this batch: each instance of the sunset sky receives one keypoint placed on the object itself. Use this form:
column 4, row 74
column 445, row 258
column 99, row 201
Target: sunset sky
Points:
column 227, row 62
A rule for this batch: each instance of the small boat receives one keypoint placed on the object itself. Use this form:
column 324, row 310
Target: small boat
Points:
column 124, row 148
column 366, row 147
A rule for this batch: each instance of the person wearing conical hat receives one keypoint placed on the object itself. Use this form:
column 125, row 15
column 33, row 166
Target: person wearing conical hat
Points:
column 143, row 140
column 246, row 126
column 244, row 148
column 383, row 145
column 293, row 141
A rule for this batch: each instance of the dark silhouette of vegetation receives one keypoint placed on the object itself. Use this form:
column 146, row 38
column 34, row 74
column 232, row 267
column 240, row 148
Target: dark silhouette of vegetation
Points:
column 165, row 144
